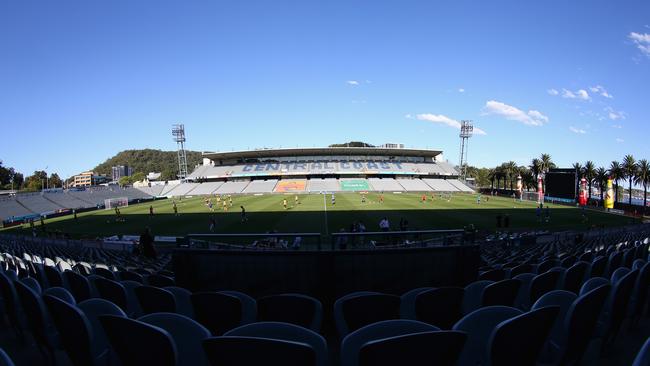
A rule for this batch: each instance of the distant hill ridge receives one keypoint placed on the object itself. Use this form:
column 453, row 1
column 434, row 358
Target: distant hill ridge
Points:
column 149, row 160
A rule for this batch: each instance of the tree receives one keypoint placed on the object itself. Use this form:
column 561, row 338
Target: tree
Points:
column 601, row 179
column 137, row 177
column 577, row 167
column 535, row 168
column 124, row 181
column 589, row 171
column 616, row 173
column 36, row 181
column 629, row 172
column 492, row 176
column 169, row 174
column 510, row 169
column 55, row 181
column 546, row 163
column 643, row 177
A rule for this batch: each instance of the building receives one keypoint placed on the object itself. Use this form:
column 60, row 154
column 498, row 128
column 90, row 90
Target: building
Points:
column 87, row 179
column 121, row 171
column 391, row 145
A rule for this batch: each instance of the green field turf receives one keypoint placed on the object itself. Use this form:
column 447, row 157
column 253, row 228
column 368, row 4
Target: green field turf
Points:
column 315, row 213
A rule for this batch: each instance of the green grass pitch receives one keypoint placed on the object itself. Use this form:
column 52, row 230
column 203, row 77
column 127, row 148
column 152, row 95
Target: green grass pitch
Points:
column 316, row 213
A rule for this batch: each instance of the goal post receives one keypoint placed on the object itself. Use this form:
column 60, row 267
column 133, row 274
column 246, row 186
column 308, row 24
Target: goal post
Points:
column 111, row 203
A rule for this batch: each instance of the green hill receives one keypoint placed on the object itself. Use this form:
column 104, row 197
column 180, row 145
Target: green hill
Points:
column 149, row 160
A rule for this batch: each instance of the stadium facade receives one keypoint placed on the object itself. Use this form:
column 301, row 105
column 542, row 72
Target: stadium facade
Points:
column 315, row 170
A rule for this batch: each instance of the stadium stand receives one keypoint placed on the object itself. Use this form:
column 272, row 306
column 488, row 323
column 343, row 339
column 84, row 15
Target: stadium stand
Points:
column 291, row 185
column 182, row 190
column 261, row 186
column 169, row 187
column 385, row 184
column 440, row 185
column 206, row 188
column 66, row 200
column 11, row 207
column 232, row 187
column 37, row 203
column 323, row 185
column 414, row 185
column 154, row 190
column 461, row 186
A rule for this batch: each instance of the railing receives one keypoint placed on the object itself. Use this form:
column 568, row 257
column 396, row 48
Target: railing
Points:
column 255, row 241
column 399, row 239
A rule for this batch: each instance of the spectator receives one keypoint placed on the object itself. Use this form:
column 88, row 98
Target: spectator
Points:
column 146, row 243
column 384, row 225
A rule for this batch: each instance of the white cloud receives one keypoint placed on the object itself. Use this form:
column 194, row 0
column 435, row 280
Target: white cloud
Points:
column 619, row 140
column 599, row 89
column 553, row 92
column 577, row 130
column 532, row 118
column 439, row 118
column 641, row 41
column 461, row 90
column 352, row 82
column 617, row 126
column 578, row 94
column 614, row 115
column 408, row 115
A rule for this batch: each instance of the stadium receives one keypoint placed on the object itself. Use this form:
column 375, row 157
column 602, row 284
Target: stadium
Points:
column 361, row 183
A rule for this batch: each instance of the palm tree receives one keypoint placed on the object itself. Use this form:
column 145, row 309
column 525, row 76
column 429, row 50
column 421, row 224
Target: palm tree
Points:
column 535, row 168
column 577, row 167
column 589, row 171
column 546, row 164
column 601, row 179
column 629, row 171
column 616, row 173
column 643, row 177
column 492, row 176
column 510, row 168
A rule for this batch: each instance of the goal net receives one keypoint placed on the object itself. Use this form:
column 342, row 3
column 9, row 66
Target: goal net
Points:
column 111, row 203
column 530, row 196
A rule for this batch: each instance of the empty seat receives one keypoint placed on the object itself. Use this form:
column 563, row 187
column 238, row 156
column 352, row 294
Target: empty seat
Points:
column 5, row 360
column 61, row 293
column 112, row 291
column 187, row 334
column 296, row 309
column 354, row 311
column 441, row 307
column 407, row 302
column 479, row 325
column 492, row 275
column 285, row 332
column 598, row 266
column 574, row 277
column 130, row 276
column 474, row 295
column 248, row 306
column 93, row 309
column 38, row 319
column 160, row 281
column 353, row 342
column 251, row 351
column 542, row 284
column 103, row 272
column 155, row 300
column 53, row 276
column 227, row 317
column 643, row 356
column 139, row 343
column 74, row 329
column 563, row 300
column 78, row 285
column 183, row 300
column 593, row 283
column 426, row 348
column 513, row 343
column 501, row 293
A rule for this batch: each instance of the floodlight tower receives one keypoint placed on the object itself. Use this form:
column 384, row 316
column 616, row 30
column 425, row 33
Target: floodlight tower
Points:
column 466, row 130
column 178, row 131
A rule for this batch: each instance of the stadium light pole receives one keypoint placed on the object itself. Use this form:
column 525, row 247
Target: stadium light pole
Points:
column 466, row 130
column 178, row 131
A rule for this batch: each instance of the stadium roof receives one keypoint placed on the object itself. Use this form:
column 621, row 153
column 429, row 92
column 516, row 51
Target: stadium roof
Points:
column 320, row 151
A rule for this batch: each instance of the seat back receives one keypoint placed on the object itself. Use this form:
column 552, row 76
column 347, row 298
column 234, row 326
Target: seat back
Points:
column 513, row 343
column 251, row 351
column 112, row 291
column 562, row 299
column 160, row 281
column 353, row 342
column 183, row 300
column 542, row 284
column 286, row 332
column 492, row 275
column 407, row 302
column 93, row 309
column 216, row 311
column 155, row 300
column 301, row 310
column 598, row 267
column 53, row 276
column 74, row 329
column 426, row 348
column 187, row 334
column 78, row 284
column 441, row 307
column 138, row 343
column 474, row 295
column 574, row 276
column 479, row 325
column 35, row 312
column 580, row 322
column 362, row 310
column 61, row 293
column 501, row 293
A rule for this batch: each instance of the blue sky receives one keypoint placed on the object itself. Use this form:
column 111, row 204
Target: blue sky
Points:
column 82, row 80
